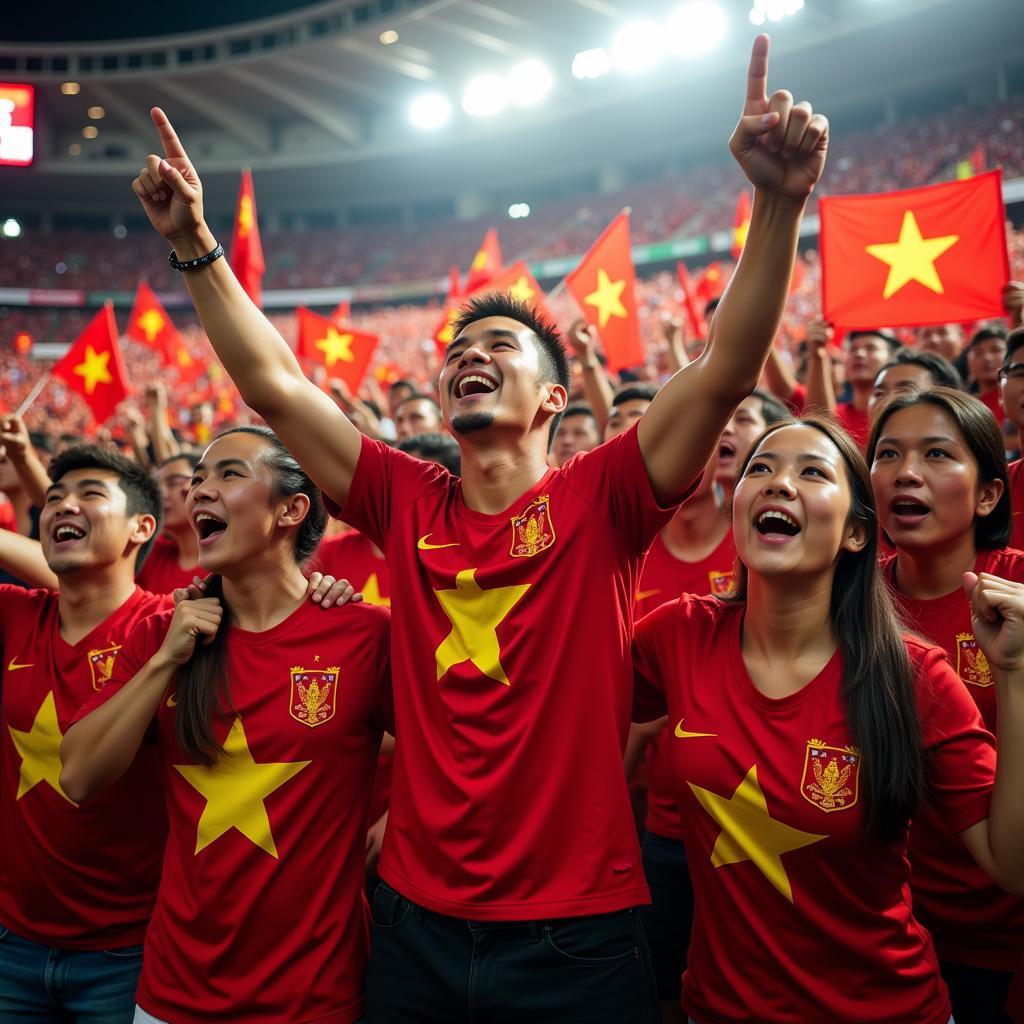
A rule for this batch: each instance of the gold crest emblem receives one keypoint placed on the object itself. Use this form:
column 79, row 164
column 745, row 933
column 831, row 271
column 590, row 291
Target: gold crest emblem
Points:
column 314, row 693
column 720, row 583
column 532, row 530
column 971, row 664
column 101, row 665
column 831, row 778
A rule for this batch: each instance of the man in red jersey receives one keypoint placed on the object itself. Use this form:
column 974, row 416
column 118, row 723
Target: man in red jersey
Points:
column 174, row 560
column 77, row 884
column 1011, row 392
column 511, row 862
column 986, row 353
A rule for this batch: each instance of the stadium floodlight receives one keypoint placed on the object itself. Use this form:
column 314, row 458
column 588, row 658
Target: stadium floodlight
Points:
column 70, row 88
column 429, row 111
column 519, row 210
column 773, row 10
column 12, row 229
column 529, row 82
column 90, row 131
column 387, row 37
column 485, row 95
column 696, row 27
column 97, row 113
column 637, row 46
column 591, row 63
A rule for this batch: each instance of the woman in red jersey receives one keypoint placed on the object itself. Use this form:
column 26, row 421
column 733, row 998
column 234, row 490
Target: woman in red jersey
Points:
column 940, row 482
column 806, row 728
column 267, row 731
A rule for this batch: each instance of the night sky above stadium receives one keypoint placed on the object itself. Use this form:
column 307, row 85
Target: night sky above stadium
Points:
column 67, row 21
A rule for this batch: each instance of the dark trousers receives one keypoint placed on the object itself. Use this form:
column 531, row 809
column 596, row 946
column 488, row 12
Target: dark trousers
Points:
column 669, row 918
column 427, row 967
column 978, row 995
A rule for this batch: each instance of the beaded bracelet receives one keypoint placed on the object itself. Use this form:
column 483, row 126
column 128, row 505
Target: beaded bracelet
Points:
column 202, row 261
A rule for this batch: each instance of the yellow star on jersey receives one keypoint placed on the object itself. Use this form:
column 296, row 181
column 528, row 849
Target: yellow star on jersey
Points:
column 152, row 324
column 521, row 290
column 912, row 258
column 245, row 217
column 336, row 347
column 749, row 832
column 39, row 750
column 371, row 593
column 475, row 615
column 235, row 788
column 607, row 299
column 93, row 369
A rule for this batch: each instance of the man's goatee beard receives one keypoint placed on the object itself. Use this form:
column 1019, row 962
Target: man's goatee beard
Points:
column 470, row 422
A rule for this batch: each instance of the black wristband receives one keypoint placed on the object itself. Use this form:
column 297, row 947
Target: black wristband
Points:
column 202, row 261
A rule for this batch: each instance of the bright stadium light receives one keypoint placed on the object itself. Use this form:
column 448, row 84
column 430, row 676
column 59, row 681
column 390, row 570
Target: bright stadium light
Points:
column 485, row 95
column 12, row 229
column 773, row 10
column 519, row 210
column 696, row 27
column 637, row 46
column 591, row 63
column 529, row 82
column 429, row 111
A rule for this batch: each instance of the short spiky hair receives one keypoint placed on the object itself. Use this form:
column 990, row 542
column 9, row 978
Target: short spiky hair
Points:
column 140, row 489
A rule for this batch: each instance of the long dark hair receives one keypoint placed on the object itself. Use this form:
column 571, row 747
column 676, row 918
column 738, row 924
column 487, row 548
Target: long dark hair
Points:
column 203, row 689
column 877, row 685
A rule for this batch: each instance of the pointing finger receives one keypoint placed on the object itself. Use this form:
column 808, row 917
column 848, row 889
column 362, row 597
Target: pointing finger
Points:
column 757, row 77
column 172, row 145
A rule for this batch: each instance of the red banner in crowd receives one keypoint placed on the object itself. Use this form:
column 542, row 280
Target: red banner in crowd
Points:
column 150, row 325
column 695, row 320
column 344, row 352
column 740, row 224
column 927, row 255
column 94, row 367
column 452, row 303
column 487, row 262
column 522, row 286
column 603, row 286
column 246, row 249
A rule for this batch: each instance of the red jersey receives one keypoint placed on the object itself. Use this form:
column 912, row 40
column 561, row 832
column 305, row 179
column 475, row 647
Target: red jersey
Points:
column 799, row 915
column 508, row 800
column 664, row 578
column 161, row 573
column 797, row 400
column 972, row 920
column 855, row 423
column 260, row 914
column 1016, row 471
column 352, row 557
column 993, row 400
column 75, row 877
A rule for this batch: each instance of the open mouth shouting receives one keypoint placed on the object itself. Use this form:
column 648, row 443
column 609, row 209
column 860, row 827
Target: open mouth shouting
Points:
column 472, row 384
column 66, row 534
column 209, row 527
column 776, row 525
column 908, row 511
column 726, row 451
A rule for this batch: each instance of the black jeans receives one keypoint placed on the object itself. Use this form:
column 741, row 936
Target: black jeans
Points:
column 668, row 920
column 427, row 967
column 978, row 996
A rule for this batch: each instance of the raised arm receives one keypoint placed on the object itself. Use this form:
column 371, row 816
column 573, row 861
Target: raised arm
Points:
column 781, row 147
column 257, row 358
column 597, row 389
column 165, row 444
column 16, row 445
column 23, row 557
column 821, row 395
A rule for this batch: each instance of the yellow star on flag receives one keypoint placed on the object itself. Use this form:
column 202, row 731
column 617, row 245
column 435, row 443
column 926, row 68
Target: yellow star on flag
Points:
column 336, row 347
column 749, row 832
column 448, row 331
column 371, row 593
column 521, row 290
column 739, row 234
column 479, row 260
column 235, row 788
column 152, row 324
column 912, row 258
column 607, row 299
column 475, row 615
column 93, row 369
column 39, row 750
column 244, row 216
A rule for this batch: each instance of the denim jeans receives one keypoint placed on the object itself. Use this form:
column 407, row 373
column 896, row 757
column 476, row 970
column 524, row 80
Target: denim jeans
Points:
column 432, row 969
column 43, row 985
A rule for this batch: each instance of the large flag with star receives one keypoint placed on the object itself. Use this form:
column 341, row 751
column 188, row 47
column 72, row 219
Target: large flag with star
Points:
column 487, row 262
column 246, row 249
column 94, row 367
column 150, row 325
column 343, row 351
column 927, row 255
column 522, row 286
column 603, row 286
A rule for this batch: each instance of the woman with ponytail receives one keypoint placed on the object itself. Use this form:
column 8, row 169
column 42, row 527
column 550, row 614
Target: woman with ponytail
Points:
column 806, row 731
column 267, row 716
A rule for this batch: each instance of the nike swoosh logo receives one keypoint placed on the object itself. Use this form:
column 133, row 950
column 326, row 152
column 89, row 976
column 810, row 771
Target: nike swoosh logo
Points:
column 14, row 666
column 682, row 734
column 642, row 595
column 423, row 544
column 172, row 701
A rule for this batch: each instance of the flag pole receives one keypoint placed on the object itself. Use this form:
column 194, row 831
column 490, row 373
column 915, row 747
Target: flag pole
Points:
column 33, row 394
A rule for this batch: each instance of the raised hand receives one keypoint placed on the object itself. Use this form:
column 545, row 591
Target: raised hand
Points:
column 997, row 616
column 14, row 440
column 192, row 620
column 169, row 187
column 780, row 144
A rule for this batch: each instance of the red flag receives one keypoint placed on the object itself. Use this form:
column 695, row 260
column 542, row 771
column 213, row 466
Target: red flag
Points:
column 603, row 286
column 978, row 160
column 23, row 343
column 343, row 351
column 522, row 286
column 698, row 327
column 150, row 325
column 711, row 282
column 486, row 263
column 920, row 256
column 740, row 224
column 452, row 303
column 342, row 312
column 246, row 250
column 94, row 367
